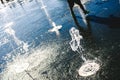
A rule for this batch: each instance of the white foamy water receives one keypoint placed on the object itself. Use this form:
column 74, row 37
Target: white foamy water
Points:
column 38, row 59
column 18, row 66
column 75, row 42
column 89, row 67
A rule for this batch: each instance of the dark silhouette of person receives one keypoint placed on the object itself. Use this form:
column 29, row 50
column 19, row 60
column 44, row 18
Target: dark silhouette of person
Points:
column 2, row 1
column 71, row 5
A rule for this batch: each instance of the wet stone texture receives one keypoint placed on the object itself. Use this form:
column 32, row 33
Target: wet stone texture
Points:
column 29, row 51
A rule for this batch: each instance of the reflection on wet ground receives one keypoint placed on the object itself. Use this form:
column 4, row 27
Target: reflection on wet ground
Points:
column 28, row 51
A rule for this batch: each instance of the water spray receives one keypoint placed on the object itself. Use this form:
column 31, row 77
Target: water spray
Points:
column 53, row 24
column 19, row 67
column 11, row 32
column 24, row 67
column 89, row 67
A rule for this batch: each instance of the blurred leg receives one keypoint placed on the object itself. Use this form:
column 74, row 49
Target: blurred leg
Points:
column 81, row 6
column 2, row 2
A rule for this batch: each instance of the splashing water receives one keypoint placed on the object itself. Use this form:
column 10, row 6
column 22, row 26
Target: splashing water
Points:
column 53, row 24
column 11, row 32
column 55, row 28
column 75, row 42
column 81, row 13
column 38, row 61
column 18, row 66
column 3, row 41
column 89, row 67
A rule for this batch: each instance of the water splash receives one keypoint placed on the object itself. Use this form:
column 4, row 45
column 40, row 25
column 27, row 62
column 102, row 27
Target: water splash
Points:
column 53, row 24
column 3, row 41
column 18, row 66
column 89, row 67
column 76, row 38
column 22, row 65
column 11, row 32
column 55, row 28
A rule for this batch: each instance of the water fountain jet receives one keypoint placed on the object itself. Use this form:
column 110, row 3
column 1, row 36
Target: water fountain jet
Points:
column 11, row 32
column 53, row 24
column 89, row 67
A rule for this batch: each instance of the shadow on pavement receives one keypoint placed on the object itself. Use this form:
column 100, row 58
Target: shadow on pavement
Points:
column 112, row 21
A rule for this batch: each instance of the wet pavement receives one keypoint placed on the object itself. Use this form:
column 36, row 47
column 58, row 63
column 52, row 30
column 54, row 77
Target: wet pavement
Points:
column 25, row 37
